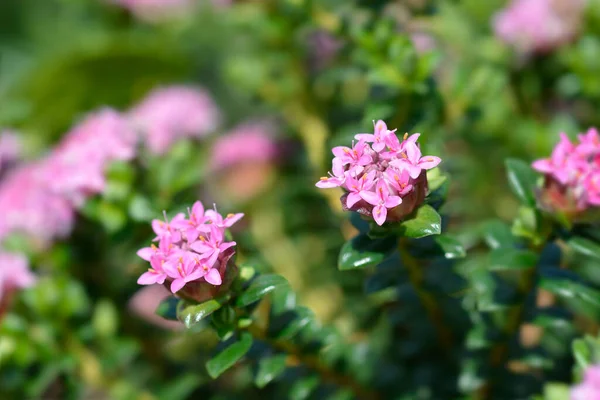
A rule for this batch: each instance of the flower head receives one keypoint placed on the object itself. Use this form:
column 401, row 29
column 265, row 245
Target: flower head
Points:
column 539, row 26
column 382, row 176
column 191, row 249
column 14, row 273
column 172, row 113
column 589, row 388
column 572, row 174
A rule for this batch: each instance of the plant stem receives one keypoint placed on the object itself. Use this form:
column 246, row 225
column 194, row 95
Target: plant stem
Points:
column 327, row 375
column 415, row 274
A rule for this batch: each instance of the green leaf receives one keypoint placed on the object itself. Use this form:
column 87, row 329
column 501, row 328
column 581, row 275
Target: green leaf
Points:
column 302, row 389
column 504, row 259
column 581, row 353
column 425, row 222
column 585, row 246
column 228, row 357
column 557, row 391
column 304, row 317
column 451, row 247
column 261, row 286
column 522, row 180
column 193, row 314
column 363, row 252
column 168, row 308
column 497, row 234
column 269, row 368
column 581, row 298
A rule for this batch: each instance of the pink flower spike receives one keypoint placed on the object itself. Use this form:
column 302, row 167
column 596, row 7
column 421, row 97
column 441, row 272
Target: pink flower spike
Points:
column 381, row 200
column 337, row 178
column 358, row 186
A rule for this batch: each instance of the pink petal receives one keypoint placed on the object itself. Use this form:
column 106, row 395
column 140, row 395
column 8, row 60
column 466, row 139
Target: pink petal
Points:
column 413, row 152
column 146, row 253
column 429, row 162
column 544, row 166
column 393, row 201
column 380, row 127
column 367, row 137
column 413, row 170
column 198, row 209
column 370, row 197
column 226, row 245
column 341, row 152
column 379, row 214
column 177, row 284
column 158, row 226
column 413, row 138
column 328, row 183
column 352, row 199
column 201, row 247
column 213, row 277
column 148, row 278
column 232, row 219
column 194, row 276
column 378, row 146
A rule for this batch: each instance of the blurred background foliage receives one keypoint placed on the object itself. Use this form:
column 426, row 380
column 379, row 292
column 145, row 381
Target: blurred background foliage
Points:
column 321, row 71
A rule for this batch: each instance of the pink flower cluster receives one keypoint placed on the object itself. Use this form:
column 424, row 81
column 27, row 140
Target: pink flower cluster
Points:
column 589, row 388
column 189, row 249
column 379, row 171
column 40, row 198
column 250, row 142
column 14, row 274
column 173, row 113
column 539, row 25
column 576, row 167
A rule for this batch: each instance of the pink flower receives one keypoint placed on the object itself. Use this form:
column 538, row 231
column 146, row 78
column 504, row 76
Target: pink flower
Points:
column 572, row 172
column 145, row 302
column 10, row 148
column 358, row 187
column 539, row 25
column 356, row 156
column 14, row 273
column 248, row 143
column 190, row 249
column 211, row 247
column 589, row 388
column 377, row 177
column 379, row 138
column 75, row 168
column 382, row 200
column 172, row 113
column 337, row 178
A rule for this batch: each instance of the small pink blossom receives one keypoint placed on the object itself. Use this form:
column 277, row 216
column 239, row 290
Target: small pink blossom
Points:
column 251, row 142
column 589, row 388
column 538, row 26
column 183, row 256
column 382, row 200
column 379, row 172
column 14, row 273
column 172, row 113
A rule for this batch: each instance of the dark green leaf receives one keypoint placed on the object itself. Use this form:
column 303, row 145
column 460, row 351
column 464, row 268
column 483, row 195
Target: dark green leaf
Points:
column 261, row 286
column 522, row 180
column 228, row 357
column 581, row 353
column 497, row 234
column 168, row 308
column 581, row 298
column 269, row 368
column 425, row 222
column 302, row 389
column 303, row 318
column 451, row 247
column 503, row 259
column 193, row 314
column 362, row 252
column 585, row 246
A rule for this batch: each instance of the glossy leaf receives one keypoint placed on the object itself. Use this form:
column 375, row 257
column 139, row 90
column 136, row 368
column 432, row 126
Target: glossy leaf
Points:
column 260, row 287
column 302, row 389
column 425, row 222
column 168, row 308
column 303, row 318
column 269, row 368
column 585, row 246
column 363, row 252
column 191, row 315
column 229, row 356
column 451, row 247
column 581, row 298
column 503, row 259
column 522, row 180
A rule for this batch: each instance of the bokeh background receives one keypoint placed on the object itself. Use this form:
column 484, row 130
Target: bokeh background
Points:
column 250, row 97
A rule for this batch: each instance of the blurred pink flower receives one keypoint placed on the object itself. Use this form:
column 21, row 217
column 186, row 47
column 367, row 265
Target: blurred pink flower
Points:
column 29, row 207
column 172, row 113
column 145, row 302
column 250, row 142
column 589, row 388
column 14, row 273
column 75, row 168
column 10, row 148
column 539, row 25
column 158, row 10
column 422, row 41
